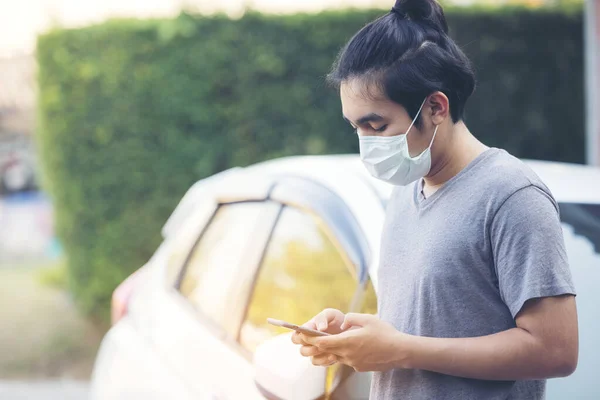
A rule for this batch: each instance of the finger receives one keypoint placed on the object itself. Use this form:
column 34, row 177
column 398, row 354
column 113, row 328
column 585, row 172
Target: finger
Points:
column 297, row 338
column 310, row 351
column 324, row 360
column 356, row 320
column 321, row 321
column 311, row 324
column 300, row 338
column 311, row 340
column 326, row 343
column 326, row 317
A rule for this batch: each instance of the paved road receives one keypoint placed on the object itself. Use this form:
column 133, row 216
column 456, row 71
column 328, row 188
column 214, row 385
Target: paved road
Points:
column 61, row 390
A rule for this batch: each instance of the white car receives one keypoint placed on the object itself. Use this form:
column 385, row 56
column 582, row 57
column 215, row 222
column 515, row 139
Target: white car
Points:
column 286, row 239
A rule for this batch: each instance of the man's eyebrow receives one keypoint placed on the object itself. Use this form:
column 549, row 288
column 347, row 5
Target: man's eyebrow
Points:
column 367, row 118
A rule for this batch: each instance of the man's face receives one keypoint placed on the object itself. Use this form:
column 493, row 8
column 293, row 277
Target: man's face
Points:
column 371, row 113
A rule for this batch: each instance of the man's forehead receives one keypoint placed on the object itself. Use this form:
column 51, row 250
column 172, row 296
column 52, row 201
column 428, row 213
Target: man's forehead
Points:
column 358, row 101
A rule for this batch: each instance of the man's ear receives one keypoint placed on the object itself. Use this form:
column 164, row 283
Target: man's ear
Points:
column 439, row 106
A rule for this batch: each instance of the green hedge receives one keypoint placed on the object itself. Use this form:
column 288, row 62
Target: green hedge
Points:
column 133, row 112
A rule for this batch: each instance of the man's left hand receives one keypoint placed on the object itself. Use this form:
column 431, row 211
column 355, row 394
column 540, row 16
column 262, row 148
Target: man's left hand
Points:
column 367, row 344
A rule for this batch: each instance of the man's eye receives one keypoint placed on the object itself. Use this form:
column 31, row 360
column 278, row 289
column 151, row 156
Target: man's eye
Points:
column 383, row 128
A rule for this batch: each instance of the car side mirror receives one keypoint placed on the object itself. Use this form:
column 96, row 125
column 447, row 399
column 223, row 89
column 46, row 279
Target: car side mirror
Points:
column 281, row 372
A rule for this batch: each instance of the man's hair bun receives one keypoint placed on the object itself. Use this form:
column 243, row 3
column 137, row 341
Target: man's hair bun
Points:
column 427, row 12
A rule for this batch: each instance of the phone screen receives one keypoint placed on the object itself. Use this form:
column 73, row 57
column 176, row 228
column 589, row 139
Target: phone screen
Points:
column 297, row 328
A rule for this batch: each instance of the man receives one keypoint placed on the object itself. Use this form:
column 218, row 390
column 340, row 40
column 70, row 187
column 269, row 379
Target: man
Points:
column 475, row 294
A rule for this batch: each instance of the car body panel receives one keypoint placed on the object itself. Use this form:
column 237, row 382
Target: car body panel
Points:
column 182, row 336
column 131, row 370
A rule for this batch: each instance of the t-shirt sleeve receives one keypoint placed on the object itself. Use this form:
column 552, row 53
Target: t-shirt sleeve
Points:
column 529, row 250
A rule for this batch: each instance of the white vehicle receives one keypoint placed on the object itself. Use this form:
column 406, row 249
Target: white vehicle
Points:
column 285, row 239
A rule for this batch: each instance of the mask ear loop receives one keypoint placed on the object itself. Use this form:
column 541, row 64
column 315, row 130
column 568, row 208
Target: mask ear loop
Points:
column 416, row 116
column 413, row 122
column 433, row 138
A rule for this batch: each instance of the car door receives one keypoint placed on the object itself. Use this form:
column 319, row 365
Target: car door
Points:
column 208, row 329
column 312, row 262
column 197, row 331
column 581, row 227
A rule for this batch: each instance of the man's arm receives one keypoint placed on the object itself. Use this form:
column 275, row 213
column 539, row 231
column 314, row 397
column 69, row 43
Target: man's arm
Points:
column 543, row 345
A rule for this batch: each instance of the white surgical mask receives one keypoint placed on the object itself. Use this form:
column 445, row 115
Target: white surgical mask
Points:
column 388, row 158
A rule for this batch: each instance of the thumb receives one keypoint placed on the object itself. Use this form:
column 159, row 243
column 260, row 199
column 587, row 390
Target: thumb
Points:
column 355, row 320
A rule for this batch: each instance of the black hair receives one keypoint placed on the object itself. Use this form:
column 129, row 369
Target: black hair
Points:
column 408, row 55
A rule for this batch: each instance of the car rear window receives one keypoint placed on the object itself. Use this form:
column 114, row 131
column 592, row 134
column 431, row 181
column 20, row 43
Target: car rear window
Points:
column 584, row 220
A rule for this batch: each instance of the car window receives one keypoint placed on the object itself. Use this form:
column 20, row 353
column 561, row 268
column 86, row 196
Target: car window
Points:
column 585, row 221
column 215, row 272
column 180, row 243
column 302, row 273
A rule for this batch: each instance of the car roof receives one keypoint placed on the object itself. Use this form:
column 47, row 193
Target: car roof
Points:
column 569, row 183
column 328, row 169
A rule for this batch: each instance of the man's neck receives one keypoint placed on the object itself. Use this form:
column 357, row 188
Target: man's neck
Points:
column 463, row 149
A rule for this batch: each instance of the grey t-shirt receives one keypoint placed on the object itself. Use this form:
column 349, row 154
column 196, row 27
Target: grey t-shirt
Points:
column 462, row 262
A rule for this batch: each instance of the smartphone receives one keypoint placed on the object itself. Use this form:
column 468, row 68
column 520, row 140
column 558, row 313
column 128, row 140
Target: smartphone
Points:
column 297, row 328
